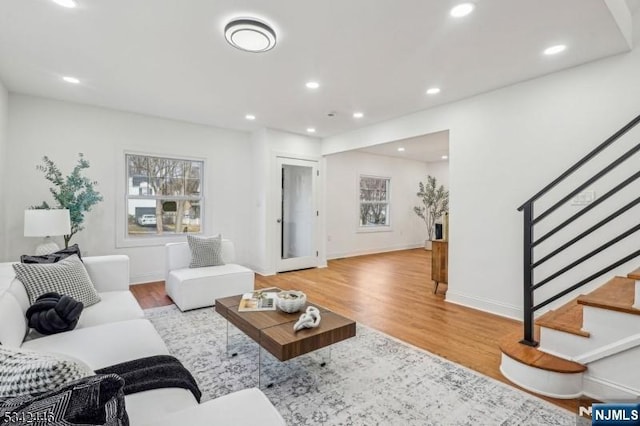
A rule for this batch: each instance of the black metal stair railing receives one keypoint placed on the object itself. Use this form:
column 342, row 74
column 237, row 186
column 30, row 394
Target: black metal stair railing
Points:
column 531, row 220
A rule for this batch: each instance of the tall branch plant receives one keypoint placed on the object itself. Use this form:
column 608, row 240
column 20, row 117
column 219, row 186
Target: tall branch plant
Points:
column 435, row 203
column 74, row 192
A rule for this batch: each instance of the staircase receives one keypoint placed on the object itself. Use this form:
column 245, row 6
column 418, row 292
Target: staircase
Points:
column 588, row 346
column 587, row 343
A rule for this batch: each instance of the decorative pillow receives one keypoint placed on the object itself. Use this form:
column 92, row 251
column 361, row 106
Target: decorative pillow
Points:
column 28, row 372
column 53, row 313
column 67, row 276
column 52, row 257
column 95, row 400
column 205, row 251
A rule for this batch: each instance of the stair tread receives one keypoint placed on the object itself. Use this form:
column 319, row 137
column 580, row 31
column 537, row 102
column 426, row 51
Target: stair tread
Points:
column 534, row 357
column 567, row 318
column 617, row 295
column 635, row 275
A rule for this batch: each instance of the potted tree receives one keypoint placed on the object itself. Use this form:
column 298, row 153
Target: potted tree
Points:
column 435, row 203
column 74, row 192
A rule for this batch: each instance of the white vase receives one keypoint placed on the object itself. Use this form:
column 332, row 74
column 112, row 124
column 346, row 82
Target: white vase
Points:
column 427, row 244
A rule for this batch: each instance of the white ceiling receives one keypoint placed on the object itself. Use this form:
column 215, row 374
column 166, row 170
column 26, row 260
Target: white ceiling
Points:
column 169, row 58
column 426, row 148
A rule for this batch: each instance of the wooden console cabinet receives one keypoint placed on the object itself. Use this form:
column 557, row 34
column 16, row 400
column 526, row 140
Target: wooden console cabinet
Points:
column 439, row 262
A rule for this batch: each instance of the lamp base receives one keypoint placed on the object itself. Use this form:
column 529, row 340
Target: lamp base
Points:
column 47, row 247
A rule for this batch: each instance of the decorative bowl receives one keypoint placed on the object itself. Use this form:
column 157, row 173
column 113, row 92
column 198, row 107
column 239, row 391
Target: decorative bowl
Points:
column 291, row 301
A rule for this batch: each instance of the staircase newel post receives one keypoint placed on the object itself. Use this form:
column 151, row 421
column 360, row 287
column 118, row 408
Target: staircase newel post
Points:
column 529, row 338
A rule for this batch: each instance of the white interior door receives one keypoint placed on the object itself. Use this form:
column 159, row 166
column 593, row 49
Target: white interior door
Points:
column 297, row 218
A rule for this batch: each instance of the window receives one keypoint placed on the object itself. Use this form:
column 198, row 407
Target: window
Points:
column 164, row 195
column 374, row 201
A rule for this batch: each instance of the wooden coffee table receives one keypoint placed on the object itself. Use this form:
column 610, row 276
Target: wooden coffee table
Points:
column 273, row 330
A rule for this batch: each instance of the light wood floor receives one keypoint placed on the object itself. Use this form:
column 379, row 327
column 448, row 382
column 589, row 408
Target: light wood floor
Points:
column 393, row 293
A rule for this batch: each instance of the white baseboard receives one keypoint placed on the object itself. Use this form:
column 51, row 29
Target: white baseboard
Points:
column 603, row 390
column 146, row 278
column 266, row 273
column 487, row 305
column 259, row 271
column 374, row 251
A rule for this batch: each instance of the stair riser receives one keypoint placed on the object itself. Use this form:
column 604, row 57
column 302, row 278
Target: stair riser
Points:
column 600, row 321
column 605, row 327
column 637, row 298
column 543, row 382
column 564, row 345
column 571, row 346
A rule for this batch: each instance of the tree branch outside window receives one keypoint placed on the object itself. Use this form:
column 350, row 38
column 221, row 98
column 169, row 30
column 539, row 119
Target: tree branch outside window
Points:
column 374, row 201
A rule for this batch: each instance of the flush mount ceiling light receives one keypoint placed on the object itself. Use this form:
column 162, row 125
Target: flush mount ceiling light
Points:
column 250, row 35
column 433, row 91
column 554, row 50
column 311, row 130
column 66, row 3
column 401, row 149
column 71, row 80
column 312, row 85
column 250, row 117
column 444, row 157
column 358, row 115
column 462, row 9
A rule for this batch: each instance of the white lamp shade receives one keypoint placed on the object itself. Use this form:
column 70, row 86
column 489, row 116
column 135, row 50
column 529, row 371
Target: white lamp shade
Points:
column 46, row 223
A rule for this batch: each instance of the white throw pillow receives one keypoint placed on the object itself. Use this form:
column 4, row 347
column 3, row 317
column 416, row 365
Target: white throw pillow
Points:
column 205, row 251
column 67, row 276
column 25, row 372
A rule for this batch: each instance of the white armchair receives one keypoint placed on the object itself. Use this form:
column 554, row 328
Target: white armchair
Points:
column 192, row 288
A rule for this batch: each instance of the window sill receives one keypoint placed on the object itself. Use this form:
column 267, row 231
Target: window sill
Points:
column 150, row 241
column 369, row 229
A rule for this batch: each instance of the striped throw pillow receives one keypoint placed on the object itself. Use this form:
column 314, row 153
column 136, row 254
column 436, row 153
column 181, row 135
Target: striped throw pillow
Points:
column 67, row 276
column 205, row 251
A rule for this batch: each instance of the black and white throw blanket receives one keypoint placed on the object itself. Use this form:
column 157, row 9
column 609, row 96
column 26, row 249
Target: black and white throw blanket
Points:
column 155, row 372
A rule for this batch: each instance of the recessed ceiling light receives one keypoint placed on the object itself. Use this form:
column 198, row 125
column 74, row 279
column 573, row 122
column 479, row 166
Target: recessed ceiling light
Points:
column 444, row 157
column 71, row 80
column 401, row 149
column 462, row 9
column 250, row 117
column 311, row 130
column 358, row 115
column 250, row 35
column 433, row 91
column 66, row 3
column 312, row 85
column 554, row 50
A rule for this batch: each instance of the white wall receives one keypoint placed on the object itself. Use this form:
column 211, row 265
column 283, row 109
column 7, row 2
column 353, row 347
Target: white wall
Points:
column 439, row 170
column 344, row 238
column 60, row 130
column 267, row 145
column 4, row 124
column 504, row 146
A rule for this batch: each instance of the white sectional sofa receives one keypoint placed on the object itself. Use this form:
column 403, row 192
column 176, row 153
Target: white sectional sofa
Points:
column 114, row 331
column 192, row 288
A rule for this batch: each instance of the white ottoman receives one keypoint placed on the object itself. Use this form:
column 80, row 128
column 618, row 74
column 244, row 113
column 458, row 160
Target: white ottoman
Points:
column 192, row 288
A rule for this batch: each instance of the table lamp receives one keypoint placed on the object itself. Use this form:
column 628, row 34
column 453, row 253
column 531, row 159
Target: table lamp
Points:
column 47, row 224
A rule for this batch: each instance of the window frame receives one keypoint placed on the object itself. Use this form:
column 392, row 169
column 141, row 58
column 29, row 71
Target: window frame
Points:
column 373, row 228
column 124, row 239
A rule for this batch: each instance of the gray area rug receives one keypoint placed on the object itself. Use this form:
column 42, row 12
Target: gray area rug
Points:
column 371, row 379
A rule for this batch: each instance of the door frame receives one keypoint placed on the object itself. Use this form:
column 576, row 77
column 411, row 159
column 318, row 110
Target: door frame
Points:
column 276, row 213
